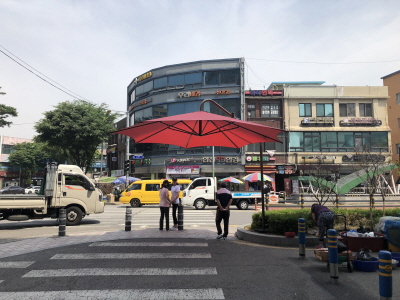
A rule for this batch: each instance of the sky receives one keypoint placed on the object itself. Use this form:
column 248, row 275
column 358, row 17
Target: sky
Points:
column 93, row 49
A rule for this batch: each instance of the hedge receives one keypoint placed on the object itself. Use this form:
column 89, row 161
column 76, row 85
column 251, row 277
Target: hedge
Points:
column 281, row 221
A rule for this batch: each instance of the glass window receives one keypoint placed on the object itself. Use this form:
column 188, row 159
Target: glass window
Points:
column 134, row 187
column 296, row 141
column 398, row 98
column 160, row 82
column 193, row 78
column 324, row 110
column 199, row 182
column 329, row 141
column 154, row 187
column 379, row 139
column 148, row 86
column 347, row 109
column 176, row 80
column 305, row 110
column 398, row 148
column 251, row 110
column 229, row 77
column 270, row 110
column 160, row 111
column 211, row 78
column 345, row 140
column 365, row 109
column 312, row 141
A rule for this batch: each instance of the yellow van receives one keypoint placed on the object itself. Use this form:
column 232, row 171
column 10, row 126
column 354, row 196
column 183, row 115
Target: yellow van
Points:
column 147, row 191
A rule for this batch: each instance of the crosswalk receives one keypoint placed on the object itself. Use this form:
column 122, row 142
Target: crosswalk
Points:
column 134, row 261
column 148, row 217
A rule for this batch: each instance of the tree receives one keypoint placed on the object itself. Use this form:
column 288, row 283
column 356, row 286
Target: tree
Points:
column 322, row 179
column 5, row 112
column 76, row 128
column 29, row 157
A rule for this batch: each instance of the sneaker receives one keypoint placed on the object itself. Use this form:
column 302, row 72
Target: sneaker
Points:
column 224, row 238
column 220, row 236
column 173, row 228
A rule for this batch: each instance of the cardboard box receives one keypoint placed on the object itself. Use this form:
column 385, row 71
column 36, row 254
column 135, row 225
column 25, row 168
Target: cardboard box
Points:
column 322, row 254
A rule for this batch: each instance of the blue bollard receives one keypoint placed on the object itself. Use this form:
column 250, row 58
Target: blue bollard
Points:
column 333, row 255
column 302, row 237
column 385, row 275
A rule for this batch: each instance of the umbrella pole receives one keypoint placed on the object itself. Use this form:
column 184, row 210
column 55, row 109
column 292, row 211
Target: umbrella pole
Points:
column 262, row 186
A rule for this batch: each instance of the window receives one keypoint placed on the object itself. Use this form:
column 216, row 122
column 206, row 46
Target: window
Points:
column 398, row 123
column 398, row 149
column 398, row 98
column 270, row 110
column 305, row 110
column 193, row 78
column 154, row 187
column 199, row 182
column 312, row 141
column 211, row 78
column 160, row 82
column 329, row 141
column 251, row 110
column 176, row 80
column 134, row 187
column 365, row 109
column 229, row 77
column 75, row 180
column 324, row 110
column 347, row 109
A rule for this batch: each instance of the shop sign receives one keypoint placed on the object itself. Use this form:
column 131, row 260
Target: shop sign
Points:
column 188, row 94
column 183, row 170
column 360, row 122
column 140, row 162
column 295, row 187
column 321, row 121
column 263, row 93
column 217, row 159
column 319, row 157
column 140, row 103
column 144, row 76
column 257, row 158
column 363, row 157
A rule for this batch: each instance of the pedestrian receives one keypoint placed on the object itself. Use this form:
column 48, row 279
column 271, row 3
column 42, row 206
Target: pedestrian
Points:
column 175, row 189
column 224, row 200
column 165, row 203
column 324, row 218
column 267, row 188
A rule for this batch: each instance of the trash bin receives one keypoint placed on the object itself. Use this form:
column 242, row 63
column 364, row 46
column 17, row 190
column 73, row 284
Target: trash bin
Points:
column 110, row 198
column 392, row 232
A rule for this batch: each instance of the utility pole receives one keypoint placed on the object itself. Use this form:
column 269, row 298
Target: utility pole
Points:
column 127, row 150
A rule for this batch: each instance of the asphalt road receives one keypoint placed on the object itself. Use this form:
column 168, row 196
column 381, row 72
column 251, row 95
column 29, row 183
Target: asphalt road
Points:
column 113, row 219
column 173, row 269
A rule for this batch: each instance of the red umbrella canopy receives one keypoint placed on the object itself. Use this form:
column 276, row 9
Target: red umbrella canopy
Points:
column 200, row 129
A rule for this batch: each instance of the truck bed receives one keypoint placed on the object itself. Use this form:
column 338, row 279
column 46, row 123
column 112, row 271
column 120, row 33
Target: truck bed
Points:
column 22, row 201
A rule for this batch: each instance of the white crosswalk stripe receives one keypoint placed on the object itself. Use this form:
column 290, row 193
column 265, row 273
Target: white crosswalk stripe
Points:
column 130, row 255
column 139, row 294
column 109, row 258
column 146, row 244
column 15, row 264
column 120, row 272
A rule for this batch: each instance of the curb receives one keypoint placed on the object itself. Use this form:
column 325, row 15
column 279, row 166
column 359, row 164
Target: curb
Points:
column 273, row 240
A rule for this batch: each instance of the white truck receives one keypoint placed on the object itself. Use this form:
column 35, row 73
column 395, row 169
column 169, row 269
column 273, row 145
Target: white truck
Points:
column 201, row 192
column 64, row 186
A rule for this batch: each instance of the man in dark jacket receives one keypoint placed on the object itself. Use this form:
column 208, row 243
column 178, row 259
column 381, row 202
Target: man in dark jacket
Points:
column 324, row 218
column 224, row 200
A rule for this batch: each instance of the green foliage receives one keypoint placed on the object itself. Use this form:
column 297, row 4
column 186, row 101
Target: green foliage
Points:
column 76, row 129
column 285, row 220
column 5, row 112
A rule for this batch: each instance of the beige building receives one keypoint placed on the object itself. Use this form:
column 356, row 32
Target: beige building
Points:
column 335, row 123
column 392, row 82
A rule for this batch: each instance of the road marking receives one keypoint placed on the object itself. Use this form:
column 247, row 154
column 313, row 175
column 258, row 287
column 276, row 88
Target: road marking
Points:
column 15, row 264
column 133, row 244
column 139, row 294
column 130, row 255
column 120, row 272
column 1, row 281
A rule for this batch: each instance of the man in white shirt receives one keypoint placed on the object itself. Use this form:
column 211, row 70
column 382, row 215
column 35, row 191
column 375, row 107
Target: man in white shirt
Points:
column 175, row 189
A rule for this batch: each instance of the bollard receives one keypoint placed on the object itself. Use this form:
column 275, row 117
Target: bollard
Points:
column 128, row 219
column 255, row 204
column 337, row 201
column 267, row 202
column 333, row 256
column 385, row 275
column 180, row 217
column 302, row 200
column 302, row 237
column 62, row 221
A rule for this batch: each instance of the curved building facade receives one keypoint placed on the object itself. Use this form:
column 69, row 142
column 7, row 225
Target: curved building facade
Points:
column 178, row 89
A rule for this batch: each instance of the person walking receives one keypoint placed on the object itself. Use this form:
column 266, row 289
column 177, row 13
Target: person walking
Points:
column 165, row 203
column 324, row 218
column 175, row 189
column 224, row 200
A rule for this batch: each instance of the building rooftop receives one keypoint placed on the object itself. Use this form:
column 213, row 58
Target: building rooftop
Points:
column 278, row 85
column 390, row 74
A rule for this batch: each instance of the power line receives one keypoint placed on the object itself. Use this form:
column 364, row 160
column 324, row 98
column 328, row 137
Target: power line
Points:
column 325, row 63
column 63, row 89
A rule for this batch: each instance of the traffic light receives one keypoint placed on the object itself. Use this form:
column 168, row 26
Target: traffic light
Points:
column 127, row 166
column 132, row 166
